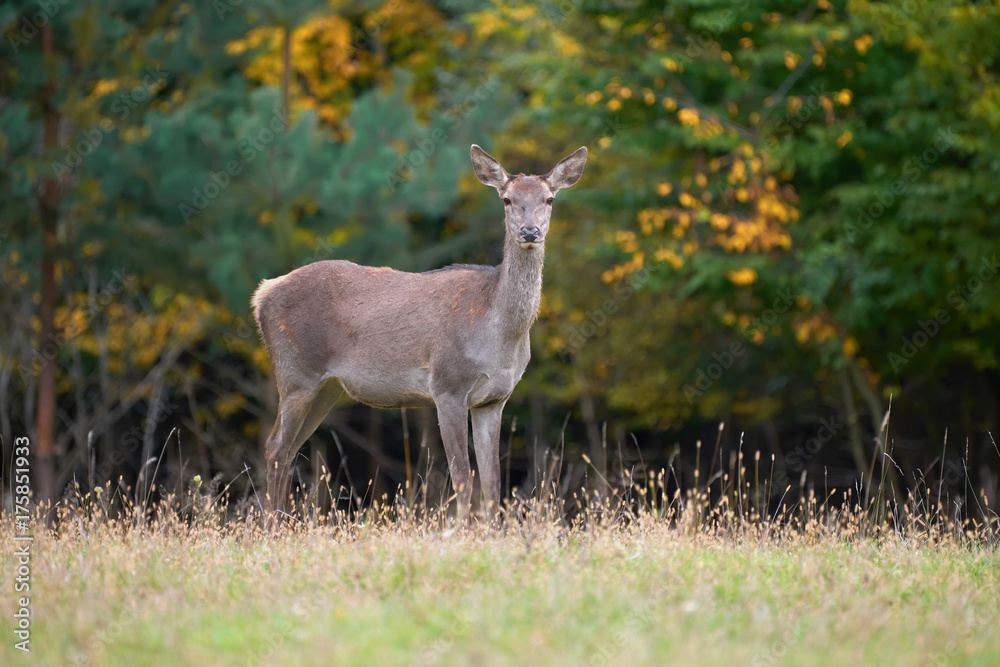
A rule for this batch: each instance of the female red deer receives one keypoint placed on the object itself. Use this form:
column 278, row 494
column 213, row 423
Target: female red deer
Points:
column 455, row 338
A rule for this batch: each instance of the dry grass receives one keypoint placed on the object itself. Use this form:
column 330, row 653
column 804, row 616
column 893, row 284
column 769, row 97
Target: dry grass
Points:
column 648, row 579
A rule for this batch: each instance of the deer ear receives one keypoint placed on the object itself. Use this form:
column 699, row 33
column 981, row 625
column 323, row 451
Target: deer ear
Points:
column 488, row 168
column 568, row 171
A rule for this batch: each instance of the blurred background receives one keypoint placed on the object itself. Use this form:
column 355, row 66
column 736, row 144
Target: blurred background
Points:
column 789, row 219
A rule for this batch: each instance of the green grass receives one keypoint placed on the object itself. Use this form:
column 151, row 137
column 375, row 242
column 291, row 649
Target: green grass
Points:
column 817, row 587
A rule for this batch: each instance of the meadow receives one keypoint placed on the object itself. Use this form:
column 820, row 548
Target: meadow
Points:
column 657, row 579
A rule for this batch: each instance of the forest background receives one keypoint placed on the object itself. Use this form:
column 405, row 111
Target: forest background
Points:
column 788, row 221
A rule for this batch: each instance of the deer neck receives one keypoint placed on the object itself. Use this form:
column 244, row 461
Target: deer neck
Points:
column 519, row 292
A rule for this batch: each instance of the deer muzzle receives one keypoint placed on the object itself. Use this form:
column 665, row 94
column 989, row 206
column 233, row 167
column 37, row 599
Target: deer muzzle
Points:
column 530, row 237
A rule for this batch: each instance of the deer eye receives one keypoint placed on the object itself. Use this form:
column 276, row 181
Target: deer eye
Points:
column 506, row 201
column 550, row 200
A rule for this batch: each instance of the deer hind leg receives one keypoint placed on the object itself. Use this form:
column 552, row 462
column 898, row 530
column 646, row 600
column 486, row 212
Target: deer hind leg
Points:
column 300, row 412
column 453, row 418
column 486, row 434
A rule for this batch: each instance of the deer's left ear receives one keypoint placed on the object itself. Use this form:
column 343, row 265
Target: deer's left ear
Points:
column 568, row 171
column 488, row 169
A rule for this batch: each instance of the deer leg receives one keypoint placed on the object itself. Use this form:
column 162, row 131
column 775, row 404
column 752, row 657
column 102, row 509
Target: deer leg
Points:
column 486, row 435
column 300, row 412
column 454, row 422
column 292, row 409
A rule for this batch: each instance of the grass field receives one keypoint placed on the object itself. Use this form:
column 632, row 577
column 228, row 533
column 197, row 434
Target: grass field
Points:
column 688, row 584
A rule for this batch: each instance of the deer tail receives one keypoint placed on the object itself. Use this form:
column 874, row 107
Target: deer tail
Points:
column 259, row 303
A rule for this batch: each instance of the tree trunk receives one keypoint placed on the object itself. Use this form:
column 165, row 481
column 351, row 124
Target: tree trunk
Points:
column 857, row 446
column 598, row 445
column 48, row 199
column 286, row 74
column 7, row 363
column 45, row 418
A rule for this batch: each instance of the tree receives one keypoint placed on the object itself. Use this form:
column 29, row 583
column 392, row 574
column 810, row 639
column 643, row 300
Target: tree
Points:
column 173, row 172
column 736, row 144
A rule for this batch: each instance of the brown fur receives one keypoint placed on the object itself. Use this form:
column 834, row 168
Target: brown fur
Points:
column 455, row 338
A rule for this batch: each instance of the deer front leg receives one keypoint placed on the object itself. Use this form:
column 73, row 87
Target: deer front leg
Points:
column 453, row 420
column 486, row 434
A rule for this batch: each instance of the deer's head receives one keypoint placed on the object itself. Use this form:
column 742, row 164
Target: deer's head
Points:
column 528, row 200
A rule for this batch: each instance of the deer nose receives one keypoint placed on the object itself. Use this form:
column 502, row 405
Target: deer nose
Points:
column 530, row 234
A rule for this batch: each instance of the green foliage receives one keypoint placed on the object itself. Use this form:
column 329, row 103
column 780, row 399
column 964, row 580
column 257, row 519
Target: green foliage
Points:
column 778, row 199
column 839, row 104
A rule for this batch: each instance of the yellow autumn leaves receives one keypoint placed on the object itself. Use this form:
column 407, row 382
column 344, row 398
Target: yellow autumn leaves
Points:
column 133, row 338
column 750, row 214
column 744, row 276
column 329, row 57
column 321, row 54
column 137, row 338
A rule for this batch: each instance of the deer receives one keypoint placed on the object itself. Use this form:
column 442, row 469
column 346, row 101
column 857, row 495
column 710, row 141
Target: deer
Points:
column 455, row 338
